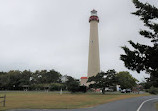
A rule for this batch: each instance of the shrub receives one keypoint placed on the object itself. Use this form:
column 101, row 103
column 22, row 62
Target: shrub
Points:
column 37, row 87
column 153, row 90
column 56, row 87
column 146, row 90
column 83, row 89
column 73, row 87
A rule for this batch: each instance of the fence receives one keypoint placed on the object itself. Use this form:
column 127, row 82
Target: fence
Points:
column 3, row 100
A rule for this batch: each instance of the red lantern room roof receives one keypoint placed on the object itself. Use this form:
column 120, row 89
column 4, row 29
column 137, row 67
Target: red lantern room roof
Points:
column 84, row 77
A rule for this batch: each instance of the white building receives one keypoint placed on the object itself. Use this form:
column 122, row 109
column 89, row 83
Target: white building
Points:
column 64, row 78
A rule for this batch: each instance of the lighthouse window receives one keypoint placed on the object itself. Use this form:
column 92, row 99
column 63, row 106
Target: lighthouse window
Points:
column 92, row 41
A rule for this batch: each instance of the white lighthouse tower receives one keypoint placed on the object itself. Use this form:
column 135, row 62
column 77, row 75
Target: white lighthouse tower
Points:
column 93, row 57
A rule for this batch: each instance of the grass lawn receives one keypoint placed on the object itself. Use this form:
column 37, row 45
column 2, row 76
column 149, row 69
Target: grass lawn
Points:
column 49, row 100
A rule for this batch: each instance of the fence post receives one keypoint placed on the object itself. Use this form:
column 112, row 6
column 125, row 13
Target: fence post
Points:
column 4, row 100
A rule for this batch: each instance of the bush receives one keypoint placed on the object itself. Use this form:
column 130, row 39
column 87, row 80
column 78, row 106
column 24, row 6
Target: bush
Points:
column 83, row 89
column 153, row 90
column 39, row 87
column 56, row 87
column 146, row 90
column 73, row 87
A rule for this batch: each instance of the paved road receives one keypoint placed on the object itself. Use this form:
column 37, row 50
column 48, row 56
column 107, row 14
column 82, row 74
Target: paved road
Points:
column 131, row 104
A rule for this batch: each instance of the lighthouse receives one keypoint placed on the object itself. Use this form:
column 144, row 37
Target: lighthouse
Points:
column 93, row 55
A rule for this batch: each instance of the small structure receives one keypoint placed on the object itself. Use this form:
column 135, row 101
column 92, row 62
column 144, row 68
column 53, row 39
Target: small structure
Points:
column 118, row 88
column 84, row 81
column 25, row 87
column 64, row 78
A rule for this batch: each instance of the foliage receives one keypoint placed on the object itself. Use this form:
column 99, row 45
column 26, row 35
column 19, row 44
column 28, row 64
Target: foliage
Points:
column 45, row 76
column 56, row 87
column 102, row 80
column 52, row 76
column 147, row 84
column 37, row 87
column 144, row 57
column 125, row 80
column 72, row 84
column 10, row 80
column 153, row 90
column 15, row 80
column 25, row 78
column 38, row 80
column 83, row 89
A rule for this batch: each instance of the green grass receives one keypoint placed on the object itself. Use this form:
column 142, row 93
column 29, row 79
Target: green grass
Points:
column 49, row 100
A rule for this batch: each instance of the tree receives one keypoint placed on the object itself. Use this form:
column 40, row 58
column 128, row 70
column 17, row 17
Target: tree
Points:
column 125, row 80
column 14, row 79
column 4, row 81
column 40, row 79
column 46, row 77
column 10, row 80
column 25, row 78
column 144, row 57
column 2, row 73
column 102, row 80
column 53, row 76
column 72, row 84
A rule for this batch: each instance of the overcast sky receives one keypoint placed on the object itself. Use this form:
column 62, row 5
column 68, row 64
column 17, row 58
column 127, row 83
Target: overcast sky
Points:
column 54, row 34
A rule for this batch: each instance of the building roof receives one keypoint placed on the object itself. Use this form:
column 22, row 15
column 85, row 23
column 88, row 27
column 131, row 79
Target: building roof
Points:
column 84, row 77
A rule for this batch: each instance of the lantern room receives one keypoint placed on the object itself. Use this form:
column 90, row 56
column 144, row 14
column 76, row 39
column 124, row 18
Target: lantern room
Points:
column 93, row 13
column 93, row 16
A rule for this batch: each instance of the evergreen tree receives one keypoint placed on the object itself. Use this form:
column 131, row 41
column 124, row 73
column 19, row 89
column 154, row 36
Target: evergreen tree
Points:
column 144, row 57
column 103, row 80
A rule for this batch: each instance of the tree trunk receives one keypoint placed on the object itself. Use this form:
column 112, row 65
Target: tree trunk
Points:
column 103, row 90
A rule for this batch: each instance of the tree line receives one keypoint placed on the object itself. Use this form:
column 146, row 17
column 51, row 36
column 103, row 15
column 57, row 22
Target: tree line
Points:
column 51, row 80
column 38, row 80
